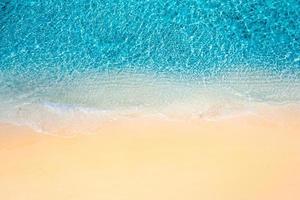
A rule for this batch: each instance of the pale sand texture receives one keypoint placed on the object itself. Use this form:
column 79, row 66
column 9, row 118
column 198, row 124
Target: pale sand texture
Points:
column 234, row 159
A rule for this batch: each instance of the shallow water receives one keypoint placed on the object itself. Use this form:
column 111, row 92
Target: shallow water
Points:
column 61, row 60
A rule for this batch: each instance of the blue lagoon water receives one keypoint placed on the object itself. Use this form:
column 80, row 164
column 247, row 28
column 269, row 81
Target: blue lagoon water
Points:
column 93, row 59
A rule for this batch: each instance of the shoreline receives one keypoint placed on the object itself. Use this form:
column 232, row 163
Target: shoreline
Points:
column 69, row 122
column 246, row 157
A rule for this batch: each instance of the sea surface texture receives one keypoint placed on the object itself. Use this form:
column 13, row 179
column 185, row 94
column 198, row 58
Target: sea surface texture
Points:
column 83, row 61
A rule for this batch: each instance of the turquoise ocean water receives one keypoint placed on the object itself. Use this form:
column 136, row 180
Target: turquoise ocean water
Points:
column 85, row 61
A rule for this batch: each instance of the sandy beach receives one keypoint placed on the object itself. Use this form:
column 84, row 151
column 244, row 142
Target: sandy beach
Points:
column 149, row 100
column 247, row 157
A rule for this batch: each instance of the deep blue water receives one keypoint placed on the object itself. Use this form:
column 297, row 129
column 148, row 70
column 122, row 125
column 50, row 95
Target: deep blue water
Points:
column 173, row 36
column 91, row 52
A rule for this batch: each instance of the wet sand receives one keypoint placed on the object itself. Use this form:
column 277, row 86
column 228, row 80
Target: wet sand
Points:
column 246, row 157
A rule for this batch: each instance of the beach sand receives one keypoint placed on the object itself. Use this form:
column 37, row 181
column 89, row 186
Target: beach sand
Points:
column 240, row 158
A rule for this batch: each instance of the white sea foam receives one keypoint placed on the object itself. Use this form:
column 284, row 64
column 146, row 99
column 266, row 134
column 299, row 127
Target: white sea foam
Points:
column 82, row 102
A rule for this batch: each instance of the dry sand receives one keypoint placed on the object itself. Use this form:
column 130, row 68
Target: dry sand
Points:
column 247, row 157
